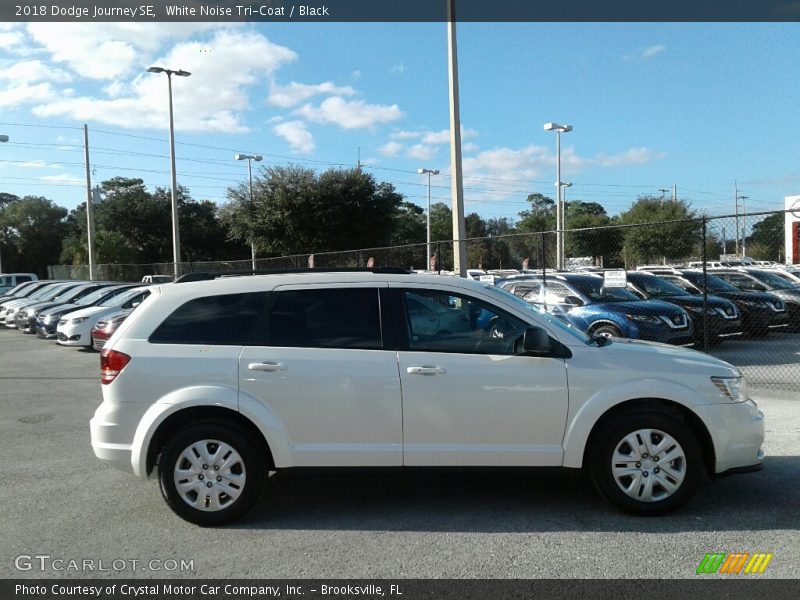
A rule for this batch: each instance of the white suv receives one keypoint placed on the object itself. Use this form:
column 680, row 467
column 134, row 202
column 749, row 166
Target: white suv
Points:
column 214, row 383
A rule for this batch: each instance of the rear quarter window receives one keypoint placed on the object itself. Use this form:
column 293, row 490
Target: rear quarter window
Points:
column 213, row 320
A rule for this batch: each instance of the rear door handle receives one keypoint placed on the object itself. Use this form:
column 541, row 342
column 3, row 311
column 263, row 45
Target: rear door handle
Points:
column 267, row 366
column 425, row 371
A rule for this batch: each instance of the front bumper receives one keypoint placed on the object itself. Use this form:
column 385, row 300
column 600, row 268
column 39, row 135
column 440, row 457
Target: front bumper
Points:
column 737, row 430
column 69, row 335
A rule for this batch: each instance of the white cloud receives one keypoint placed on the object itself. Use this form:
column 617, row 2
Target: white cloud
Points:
column 29, row 71
column 469, row 147
column 504, row 163
column 352, row 114
column 398, row 69
column 646, row 53
column 651, row 51
column 391, row 148
column 109, row 50
column 64, row 178
column 355, row 75
column 24, row 94
column 293, row 94
column 443, row 136
column 33, row 164
column 631, row 157
column 10, row 39
column 422, row 152
column 368, row 162
column 299, row 138
column 405, row 135
column 212, row 99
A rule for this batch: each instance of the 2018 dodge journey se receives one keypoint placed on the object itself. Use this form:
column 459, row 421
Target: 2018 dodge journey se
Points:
column 210, row 384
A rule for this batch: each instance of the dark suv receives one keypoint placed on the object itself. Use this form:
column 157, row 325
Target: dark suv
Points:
column 583, row 301
column 766, row 281
column 760, row 311
column 718, row 315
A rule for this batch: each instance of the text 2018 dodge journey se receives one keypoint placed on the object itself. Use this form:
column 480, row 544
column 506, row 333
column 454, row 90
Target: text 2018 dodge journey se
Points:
column 213, row 383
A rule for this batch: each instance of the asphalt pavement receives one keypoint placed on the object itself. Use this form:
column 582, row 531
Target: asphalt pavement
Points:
column 61, row 502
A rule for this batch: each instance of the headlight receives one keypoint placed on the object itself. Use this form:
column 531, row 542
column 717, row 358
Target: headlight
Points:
column 644, row 319
column 733, row 389
column 77, row 320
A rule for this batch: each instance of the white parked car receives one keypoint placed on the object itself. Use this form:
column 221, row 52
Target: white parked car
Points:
column 211, row 384
column 75, row 328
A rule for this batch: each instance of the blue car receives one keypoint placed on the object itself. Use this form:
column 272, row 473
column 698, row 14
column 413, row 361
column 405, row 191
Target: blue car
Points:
column 583, row 301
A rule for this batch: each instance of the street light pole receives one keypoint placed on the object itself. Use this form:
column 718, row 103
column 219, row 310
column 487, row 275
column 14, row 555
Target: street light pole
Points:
column 249, row 158
column 559, row 129
column 3, row 138
column 176, row 238
column 429, row 172
column 561, row 249
column 744, row 226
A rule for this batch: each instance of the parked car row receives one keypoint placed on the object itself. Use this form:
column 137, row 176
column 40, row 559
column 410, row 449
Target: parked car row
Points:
column 666, row 304
column 70, row 311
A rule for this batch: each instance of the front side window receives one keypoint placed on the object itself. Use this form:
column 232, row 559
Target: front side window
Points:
column 440, row 321
column 347, row 318
column 212, row 320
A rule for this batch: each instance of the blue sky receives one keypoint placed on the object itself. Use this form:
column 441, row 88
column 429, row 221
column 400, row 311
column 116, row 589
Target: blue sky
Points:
column 697, row 106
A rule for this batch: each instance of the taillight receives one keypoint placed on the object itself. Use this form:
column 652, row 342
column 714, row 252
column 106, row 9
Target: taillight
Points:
column 111, row 364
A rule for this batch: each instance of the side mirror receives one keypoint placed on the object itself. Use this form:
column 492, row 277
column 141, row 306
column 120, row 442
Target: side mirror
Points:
column 573, row 301
column 535, row 339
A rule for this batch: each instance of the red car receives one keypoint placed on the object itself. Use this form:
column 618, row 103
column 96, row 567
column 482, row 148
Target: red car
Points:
column 106, row 327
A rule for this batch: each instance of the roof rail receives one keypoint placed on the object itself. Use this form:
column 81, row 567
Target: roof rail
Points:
column 209, row 276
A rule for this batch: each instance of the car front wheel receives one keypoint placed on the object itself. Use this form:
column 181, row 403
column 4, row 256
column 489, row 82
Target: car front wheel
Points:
column 211, row 474
column 646, row 463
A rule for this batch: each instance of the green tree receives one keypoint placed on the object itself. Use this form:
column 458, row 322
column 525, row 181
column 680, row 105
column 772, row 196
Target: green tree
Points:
column 604, row 243
column 766, row 242
column 667, row 240
column 540, row 217
column 294, row 211
column 441, row 222
column 410, row 225
column 35, row 227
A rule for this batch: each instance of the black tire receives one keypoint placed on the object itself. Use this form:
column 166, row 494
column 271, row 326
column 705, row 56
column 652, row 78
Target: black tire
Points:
column 613, row 437
column 252, row 465
column 607, row 330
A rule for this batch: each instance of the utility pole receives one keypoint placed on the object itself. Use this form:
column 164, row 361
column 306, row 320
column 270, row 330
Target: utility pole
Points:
column 736, row 201
column 457, row 184
column 89, row 204
column 744, row 226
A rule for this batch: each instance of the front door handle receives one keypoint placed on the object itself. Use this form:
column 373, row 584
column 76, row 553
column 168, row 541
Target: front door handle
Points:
column 425, row 371
column 267, row 366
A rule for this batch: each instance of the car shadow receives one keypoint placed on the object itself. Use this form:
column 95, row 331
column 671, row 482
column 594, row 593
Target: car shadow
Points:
column 512, row 500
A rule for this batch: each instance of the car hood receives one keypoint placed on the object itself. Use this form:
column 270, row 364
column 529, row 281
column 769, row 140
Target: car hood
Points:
column 759, row 296
column 627, row 351
column 790, row 295
column 91, row 311
column 641, row 307
column 59, row 310
column 688, row 300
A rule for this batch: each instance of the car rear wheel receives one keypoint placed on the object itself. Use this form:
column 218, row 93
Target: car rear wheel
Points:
column 646, row 463
column 211, row 474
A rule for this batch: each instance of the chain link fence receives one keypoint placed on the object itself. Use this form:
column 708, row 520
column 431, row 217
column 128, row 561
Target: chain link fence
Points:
column 740, row 259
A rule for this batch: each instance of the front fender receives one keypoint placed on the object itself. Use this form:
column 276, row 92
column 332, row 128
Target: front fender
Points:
column 581, row 422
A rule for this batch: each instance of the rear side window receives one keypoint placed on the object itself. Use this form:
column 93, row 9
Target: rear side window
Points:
column 213, row 320
column 327, row 318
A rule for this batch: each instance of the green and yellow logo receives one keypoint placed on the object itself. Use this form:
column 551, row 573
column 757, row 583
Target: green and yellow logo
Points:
column 734, row 563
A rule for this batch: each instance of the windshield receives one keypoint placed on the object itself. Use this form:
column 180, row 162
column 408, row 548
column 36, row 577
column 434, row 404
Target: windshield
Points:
column 539, row 312
column 684, row 284
column 96, row 295
column 775, row 280
column 70, row 294
column 122, row 298
column 592, row 287
column 713, row 283
column 655, row 286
